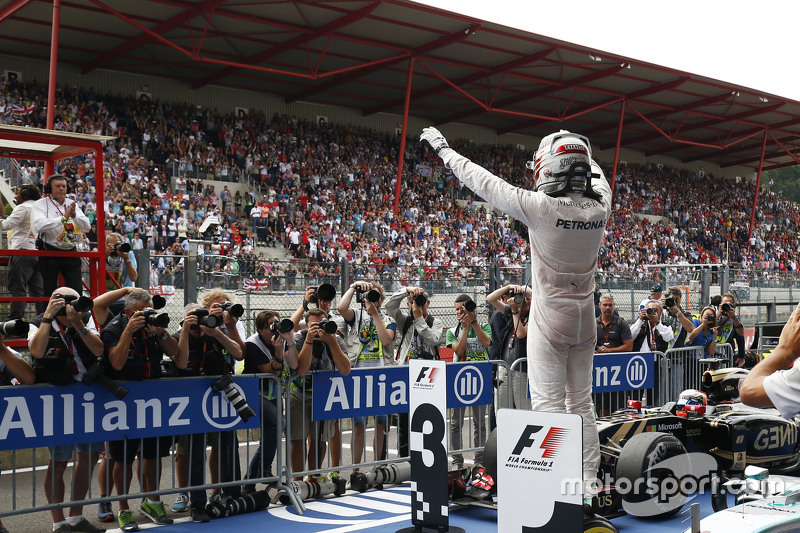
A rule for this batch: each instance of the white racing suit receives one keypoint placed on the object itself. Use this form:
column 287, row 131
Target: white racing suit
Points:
column 565, row 236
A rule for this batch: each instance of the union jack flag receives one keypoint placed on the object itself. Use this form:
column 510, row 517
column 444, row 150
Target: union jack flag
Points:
column 254, row 284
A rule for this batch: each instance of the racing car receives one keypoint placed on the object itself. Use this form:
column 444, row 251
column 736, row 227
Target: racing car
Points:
column 651, row 444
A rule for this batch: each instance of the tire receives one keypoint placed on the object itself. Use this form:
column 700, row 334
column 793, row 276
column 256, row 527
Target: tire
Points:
column 598, row 524
column 640, row 464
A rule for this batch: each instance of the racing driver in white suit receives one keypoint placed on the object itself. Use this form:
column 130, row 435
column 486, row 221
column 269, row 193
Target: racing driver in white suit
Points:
column 566, row 216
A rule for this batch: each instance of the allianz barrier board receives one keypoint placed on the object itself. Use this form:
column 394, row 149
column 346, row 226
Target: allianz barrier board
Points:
column 623, row 372
column 384, row 390
column 48, row 415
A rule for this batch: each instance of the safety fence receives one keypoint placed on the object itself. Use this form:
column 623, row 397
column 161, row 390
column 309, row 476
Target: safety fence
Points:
column 258, row 431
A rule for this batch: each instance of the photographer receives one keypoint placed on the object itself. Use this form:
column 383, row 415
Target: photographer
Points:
column 370, row 343
column 265, row 354
column 705, row 331
column 649, row 334
column 316, row 350
column 204, row 348
column 24, row 275
column 64, row 344
column 674, row 316
column 421, row 335
column 14, row 370
column 213, row 351
column 469, row 341
column 730, row 327
column 512, row 304
column 135, row 350
column 120, row 265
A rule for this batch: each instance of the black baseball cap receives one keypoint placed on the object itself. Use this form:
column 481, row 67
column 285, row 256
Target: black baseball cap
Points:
column 655, row 288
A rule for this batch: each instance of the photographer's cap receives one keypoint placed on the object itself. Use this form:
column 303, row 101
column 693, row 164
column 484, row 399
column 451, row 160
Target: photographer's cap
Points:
column 655, row 288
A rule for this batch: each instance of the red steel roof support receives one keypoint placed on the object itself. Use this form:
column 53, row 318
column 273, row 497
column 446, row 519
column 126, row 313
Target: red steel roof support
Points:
column 616, row 148
column 51, row 86
column 401, row 156
column 758, row 186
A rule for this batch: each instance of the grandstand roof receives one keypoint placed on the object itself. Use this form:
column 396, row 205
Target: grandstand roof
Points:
column 356, row 54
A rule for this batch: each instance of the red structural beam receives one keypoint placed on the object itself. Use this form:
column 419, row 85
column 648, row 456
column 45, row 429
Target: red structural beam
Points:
column 162, row 29
column 427, row 47
column 12, row 8
column 298, row 41
column 592, row 76
column 758, row 186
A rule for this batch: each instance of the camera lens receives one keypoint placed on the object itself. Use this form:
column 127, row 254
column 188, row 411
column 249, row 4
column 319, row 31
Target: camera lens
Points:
column 285, row 325
column 519, row 298
column 14, row 328
column 327, row 292
column 650, row 311
column 235, row 310
column 669, row 302
column 420, row 300
column 470, row 306
column 123, row 247
column 328, row 326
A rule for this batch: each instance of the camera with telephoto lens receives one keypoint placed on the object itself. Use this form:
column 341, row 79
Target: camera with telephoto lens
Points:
column 420, row 300
column 154, row 318
column 235, row 310
column 727, row 308
column 670, row 302
column 81, row 304
column 470, row 306
column 650, row 311
column 205, row 318
column 328, row 326
column 96, row 375
column 14, row 328
column 123, row 247
column 372, row 296
column 232, row 394
column 283, row 325
column 325, row 292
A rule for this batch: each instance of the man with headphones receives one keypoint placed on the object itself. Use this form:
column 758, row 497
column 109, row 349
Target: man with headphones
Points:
column 24, row 277
column 58, row 221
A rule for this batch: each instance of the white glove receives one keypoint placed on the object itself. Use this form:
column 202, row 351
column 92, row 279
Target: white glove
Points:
column 435, row 139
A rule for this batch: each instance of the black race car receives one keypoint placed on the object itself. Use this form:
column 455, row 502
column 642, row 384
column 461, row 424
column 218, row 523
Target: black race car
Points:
column 644, row 444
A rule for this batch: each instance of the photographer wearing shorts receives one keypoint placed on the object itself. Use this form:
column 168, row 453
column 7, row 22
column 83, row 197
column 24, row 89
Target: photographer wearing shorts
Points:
column 266, row 350
column 24, row 275
column 64, row 344
column 469, row 341
column 317, row 349
column 206, row 346
column 135, row 349
column 370, row 343
column 420, row 335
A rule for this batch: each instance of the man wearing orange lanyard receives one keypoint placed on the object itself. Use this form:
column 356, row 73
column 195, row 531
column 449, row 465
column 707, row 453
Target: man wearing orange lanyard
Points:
column 59, row 221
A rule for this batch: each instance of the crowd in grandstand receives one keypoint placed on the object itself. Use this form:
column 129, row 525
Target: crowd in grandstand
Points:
column 328, row 193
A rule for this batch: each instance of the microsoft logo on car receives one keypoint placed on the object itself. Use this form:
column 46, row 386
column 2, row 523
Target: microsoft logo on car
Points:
column 664, row 427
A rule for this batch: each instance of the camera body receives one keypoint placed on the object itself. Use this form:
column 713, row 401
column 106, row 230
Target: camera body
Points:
column 82, row 304
column 123, row 247
column 205, row 318
column 371, row 295
column 420, row 300
column 235, row 310
column 325, row 292
column 282, row 326
column 328, row 326
column 154, row 318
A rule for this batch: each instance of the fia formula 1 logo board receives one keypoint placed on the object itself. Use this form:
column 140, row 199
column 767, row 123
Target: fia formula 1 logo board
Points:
column 539, row 459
